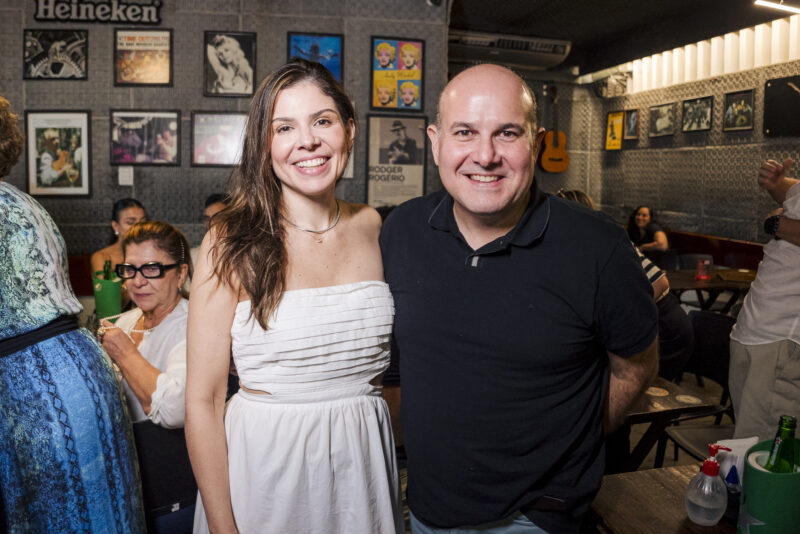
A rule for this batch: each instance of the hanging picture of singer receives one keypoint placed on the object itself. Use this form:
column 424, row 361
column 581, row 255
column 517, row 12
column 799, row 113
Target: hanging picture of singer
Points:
column 58, row 153
column 395, row 159
column 230, row 62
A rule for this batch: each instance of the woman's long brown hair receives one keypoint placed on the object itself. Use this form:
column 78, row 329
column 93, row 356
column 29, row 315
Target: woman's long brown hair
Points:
column 251, row 243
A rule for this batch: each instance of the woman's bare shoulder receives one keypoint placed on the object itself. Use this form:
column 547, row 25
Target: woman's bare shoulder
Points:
column 362, row 214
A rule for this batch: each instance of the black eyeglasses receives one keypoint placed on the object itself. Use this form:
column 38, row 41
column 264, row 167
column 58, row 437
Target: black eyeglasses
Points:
column 151, row 269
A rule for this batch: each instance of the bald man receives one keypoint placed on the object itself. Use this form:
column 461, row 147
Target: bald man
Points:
column 524, row 326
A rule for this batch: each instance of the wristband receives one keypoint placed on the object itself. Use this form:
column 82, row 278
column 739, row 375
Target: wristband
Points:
column 771, row 225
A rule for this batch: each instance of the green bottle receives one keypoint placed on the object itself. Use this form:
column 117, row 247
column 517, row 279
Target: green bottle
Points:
column 781, row 457
column 108, row 274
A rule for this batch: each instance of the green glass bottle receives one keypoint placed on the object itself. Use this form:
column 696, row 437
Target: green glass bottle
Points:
column 782, row 457
column 108, row 274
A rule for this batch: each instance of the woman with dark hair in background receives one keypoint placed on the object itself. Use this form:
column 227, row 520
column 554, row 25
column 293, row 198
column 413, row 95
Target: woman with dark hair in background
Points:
column 645, row 232
column 125, row 213
column 290, row 278
column 67, row 459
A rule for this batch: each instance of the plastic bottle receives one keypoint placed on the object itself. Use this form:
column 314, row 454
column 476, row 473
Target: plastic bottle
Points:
column 781, row 458
column 707, row 496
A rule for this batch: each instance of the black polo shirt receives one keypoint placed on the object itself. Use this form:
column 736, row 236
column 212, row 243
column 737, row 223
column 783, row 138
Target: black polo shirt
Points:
column 502, row 354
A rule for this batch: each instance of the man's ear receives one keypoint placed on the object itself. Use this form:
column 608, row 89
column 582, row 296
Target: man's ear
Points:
column 537, row 141
column 433, row 135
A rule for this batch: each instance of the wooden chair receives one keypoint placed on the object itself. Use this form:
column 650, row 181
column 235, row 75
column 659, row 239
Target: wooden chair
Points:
column 710, row 359
column 169, row 490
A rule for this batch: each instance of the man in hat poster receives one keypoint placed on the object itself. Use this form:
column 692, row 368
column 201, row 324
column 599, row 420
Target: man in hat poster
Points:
column 51, row 168
column 402, row 150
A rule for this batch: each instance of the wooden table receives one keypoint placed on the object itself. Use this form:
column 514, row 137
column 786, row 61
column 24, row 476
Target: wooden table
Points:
column 649, row 501
column 663, row 402
column 737, row 281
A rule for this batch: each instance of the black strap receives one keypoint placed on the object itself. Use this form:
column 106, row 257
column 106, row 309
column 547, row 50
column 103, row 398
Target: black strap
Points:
column 60, row 325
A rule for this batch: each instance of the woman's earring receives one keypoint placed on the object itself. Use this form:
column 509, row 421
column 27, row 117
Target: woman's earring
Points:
column 116, row 233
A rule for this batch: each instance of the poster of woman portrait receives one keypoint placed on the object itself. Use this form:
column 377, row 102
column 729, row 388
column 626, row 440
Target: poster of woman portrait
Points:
column 631, row 124
column 324, row 48
column 217, row 138
column 395, row 159
column 55, row 54
column 144, row 137
column 661, row 120
column 59, row 155
column 397, row 73
column 229, row 63
column 142, row 57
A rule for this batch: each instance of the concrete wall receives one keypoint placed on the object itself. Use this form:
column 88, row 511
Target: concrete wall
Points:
column 176, row 194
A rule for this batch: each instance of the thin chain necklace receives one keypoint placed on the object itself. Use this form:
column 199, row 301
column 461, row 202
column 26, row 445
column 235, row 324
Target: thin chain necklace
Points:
column 310, row 231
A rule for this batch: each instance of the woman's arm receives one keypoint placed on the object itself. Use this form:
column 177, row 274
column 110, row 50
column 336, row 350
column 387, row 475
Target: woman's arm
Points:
column 211, row 310
column 168, row 404
column 138, row 372
column 98, row 261
column 211, row 54
column 659, row 242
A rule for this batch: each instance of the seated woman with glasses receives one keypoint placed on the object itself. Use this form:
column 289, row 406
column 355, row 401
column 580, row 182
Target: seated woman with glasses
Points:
column 148, row 343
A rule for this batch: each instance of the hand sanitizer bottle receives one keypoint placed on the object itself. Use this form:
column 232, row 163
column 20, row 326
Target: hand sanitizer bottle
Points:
column 707, row 496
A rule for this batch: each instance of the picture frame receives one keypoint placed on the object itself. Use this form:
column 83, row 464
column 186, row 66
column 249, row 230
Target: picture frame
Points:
column 397, row 65
column 217, row 138
column 145, row 137
column 738, row 113
column 697, row 114
column 229, row 63
column 396, row 158
column 614, row 126
column 631, row 129
column 325, row 48
column 55, row 54
column 662, row 120
column 59, row 155
column 142, row 57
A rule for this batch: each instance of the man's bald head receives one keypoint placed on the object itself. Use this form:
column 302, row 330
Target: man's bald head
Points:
column 489, row 77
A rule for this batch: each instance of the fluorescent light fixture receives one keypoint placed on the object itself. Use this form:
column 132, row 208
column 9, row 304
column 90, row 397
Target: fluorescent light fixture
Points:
column 777, row 5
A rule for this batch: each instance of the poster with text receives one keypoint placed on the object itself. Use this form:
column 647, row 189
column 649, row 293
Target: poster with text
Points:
column 614, row 130
column 397, row 74
column 395, row 159
column 142, row 57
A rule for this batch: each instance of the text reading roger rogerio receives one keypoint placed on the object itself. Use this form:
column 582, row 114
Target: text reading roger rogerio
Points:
column 387, row 173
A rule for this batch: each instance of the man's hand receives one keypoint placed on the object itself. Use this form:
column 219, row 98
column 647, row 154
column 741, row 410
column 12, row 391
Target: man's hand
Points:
column 772, row 178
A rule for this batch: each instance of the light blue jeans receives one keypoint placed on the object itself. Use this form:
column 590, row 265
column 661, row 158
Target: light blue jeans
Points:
column 515, row 524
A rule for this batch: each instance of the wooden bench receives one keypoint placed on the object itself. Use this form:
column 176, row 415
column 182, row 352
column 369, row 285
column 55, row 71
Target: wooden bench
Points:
column 729, row 252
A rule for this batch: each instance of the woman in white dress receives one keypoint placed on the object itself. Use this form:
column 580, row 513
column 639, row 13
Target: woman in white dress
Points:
column 290, row 279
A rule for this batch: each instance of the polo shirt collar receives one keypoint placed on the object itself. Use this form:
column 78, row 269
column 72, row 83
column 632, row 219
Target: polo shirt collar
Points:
column 529, row 228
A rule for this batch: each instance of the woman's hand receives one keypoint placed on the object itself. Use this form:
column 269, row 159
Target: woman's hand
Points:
column 115, row 342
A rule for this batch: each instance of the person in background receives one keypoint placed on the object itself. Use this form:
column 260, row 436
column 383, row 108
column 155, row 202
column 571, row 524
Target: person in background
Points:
column 67, row 459
column 290, row 279
column 645, row 233
column 214, row 203
column 510, row 374
column 764, row 376
column 148, row 343
column 125, row 213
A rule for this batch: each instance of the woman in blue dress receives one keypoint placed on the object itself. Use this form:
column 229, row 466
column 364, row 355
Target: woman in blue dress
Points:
column 67, row 459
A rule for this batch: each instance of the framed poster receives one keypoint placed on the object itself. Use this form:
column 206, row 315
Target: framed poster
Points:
column 661, row 120
column 631, row 124
column 395, row 159
column 696, row 116
column 614, row 130
column 324, row 48
column 145, row 137
column 397, row 73
column 217, row 138
column 142, row 57
column 229, row 63
column 55, row 54
column 59, row 153
column 738, row 114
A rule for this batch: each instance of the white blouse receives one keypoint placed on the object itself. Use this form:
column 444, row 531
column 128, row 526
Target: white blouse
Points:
column 165, row 348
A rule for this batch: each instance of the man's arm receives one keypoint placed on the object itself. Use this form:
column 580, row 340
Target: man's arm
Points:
column 772, row 178
column 629, row 378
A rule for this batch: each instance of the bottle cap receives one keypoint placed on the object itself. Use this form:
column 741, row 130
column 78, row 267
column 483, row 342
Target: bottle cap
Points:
column 711, row 466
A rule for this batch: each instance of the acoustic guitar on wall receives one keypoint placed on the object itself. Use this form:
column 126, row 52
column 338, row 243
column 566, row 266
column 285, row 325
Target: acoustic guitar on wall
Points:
column 553, row 157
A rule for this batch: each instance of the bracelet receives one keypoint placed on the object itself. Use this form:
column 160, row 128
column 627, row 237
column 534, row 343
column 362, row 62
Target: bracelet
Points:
column 771, row 225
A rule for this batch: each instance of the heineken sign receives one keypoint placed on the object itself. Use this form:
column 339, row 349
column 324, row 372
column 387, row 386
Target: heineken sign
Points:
column 110, row 11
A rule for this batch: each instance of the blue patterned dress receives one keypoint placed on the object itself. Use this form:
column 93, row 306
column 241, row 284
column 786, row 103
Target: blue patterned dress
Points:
column 67, row 458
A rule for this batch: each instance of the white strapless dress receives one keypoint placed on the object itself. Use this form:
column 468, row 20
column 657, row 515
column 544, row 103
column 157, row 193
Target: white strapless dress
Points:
column 317, row 455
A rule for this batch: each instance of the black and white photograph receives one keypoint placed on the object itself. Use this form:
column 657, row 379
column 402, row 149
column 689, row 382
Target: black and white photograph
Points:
column 217, row 138
column 396, row 159
column 661, row 120
column 230, row 62
column 696, row 116
column 55, row 54
column 59, row 154
column 144, row 137
column 738, row 113
column 142, row 57
column 631, row 129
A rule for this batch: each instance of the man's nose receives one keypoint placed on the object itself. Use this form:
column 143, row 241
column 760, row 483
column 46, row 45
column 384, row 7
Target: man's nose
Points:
column 486, row 154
